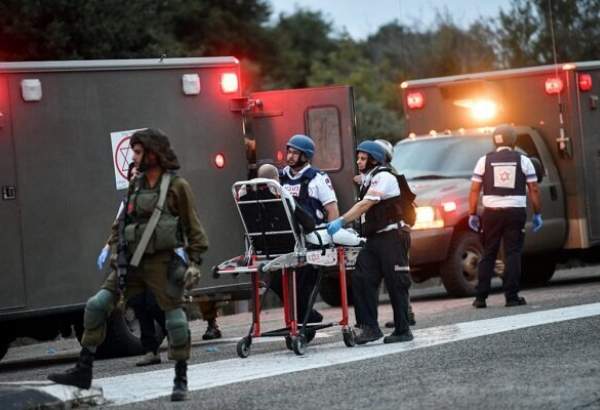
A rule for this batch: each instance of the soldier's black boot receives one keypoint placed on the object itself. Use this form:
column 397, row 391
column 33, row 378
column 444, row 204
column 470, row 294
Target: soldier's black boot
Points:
column 180, row 382
column 212, row 331
column 78, row 376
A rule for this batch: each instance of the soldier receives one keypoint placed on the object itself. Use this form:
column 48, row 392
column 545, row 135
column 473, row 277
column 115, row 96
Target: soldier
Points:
column 159, row 269
column 386, row 252
column 506, row 176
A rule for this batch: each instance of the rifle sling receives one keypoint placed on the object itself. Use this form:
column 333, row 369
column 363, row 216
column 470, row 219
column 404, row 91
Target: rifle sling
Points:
column 147, row 234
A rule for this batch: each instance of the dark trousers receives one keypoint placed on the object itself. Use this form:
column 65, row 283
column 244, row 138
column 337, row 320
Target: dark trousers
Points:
column 506, row 225
column 147, row 313
column 306, row 279
column 385, row 256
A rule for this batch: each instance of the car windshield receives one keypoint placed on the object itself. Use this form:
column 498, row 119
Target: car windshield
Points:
column 442, row 157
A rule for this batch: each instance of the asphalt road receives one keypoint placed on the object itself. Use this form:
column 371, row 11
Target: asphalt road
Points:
column 554, row 365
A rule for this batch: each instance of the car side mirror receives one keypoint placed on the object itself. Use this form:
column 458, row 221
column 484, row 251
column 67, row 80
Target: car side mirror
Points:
column 539, row 168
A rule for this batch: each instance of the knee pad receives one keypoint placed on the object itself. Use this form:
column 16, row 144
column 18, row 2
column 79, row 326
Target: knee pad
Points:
column 177, row 327
column 97, row 309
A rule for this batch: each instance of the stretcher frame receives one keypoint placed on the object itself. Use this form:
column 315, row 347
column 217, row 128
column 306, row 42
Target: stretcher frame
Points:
column 261, row 266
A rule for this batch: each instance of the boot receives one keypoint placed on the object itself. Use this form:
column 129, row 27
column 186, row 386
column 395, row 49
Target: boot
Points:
column 180, row 382
column 149, row 358
column 80, row 375
column 212, row 331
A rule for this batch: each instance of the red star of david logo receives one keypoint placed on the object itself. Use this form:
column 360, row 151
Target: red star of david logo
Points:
column 504, row 176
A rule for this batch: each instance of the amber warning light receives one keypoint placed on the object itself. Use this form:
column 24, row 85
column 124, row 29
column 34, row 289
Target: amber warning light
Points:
column 229, row 83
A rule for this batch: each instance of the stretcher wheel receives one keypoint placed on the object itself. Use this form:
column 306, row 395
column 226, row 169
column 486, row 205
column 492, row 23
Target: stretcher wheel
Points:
column 243, row 347
column 349, row 337
column 299, row 345
column 288, row 343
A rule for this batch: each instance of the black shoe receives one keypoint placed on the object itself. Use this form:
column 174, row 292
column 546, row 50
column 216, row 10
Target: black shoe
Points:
column 516, row 302
column 399, row 337
column 180, row 382
column 479, row 303
column 315, row 317
column 368, row 334
column 78, row 376
column 391, row 324
column 212, row 332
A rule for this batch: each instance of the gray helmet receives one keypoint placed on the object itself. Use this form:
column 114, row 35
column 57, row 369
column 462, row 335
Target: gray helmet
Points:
column 388, row 147
column 504, row 136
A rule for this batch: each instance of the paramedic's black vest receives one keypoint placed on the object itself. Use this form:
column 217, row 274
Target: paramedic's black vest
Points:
column 383, row 213
column 308, row 203
column 512, row 161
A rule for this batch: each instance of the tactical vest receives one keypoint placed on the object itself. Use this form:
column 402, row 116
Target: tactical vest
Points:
column 503, row 175
column 385, row 212
column 168, row 233
column 311, row 205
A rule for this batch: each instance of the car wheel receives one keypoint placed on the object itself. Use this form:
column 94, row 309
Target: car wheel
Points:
column 459, row 271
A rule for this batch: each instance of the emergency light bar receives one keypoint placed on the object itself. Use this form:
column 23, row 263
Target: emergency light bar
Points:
column 585, row 81
column 415, row 100
column 553, row 86
column 229, row 83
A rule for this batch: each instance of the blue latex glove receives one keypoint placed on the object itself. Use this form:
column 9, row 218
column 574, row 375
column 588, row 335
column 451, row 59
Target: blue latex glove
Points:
column 335, row 225
column 475, row 222
column 537, row 222
column 181, row 253
column 102, row 257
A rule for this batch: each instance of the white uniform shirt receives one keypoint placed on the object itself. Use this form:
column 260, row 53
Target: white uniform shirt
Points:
column 384, row 185
column 508, row 201
column 319, row 187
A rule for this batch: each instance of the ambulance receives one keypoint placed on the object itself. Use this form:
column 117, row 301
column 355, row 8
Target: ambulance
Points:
column 64, row 153
column 556, row 112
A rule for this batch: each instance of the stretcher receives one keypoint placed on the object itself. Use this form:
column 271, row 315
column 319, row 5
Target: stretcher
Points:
column 277, row 244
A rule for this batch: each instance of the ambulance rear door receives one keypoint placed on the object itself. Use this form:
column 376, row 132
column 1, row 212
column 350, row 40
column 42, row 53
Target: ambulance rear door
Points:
column 326, row 114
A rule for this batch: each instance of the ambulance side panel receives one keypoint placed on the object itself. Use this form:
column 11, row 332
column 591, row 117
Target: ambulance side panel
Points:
column 589, row 122
column 12, row 286
column 65, row 173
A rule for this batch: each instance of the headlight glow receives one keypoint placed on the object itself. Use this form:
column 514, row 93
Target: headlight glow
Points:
column 428, row 218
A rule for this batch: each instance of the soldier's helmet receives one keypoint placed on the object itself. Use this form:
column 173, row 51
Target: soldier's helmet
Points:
column 302, row 143
column 156, row 141
column 504, row 136
column 375, row 150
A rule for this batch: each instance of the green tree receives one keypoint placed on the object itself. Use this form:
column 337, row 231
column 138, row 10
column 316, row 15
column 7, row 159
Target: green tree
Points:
column 524, row 32
column 303, row 38
column 64, row 29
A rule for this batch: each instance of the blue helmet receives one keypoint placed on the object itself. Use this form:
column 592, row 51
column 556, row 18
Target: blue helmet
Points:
column 375, row 150
column 303, row 144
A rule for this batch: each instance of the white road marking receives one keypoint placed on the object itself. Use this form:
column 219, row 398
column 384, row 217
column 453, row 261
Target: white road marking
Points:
column 138, row 387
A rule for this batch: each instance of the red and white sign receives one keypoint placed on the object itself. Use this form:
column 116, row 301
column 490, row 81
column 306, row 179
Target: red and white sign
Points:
column 122, row 156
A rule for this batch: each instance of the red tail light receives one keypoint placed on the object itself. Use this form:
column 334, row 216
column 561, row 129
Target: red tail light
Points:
column 585, row 81
column 229, row 83
column 219, row 160
column 449, row 206
column 553, row 86
column 415, row 100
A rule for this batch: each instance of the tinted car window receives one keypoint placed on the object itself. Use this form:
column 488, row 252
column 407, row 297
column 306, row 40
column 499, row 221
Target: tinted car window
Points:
column 440, row 157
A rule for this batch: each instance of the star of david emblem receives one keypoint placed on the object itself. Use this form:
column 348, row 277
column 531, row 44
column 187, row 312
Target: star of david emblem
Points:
column 504, row 176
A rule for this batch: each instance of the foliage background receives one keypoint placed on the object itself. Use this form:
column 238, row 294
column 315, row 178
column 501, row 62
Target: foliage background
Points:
column 304, row 48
